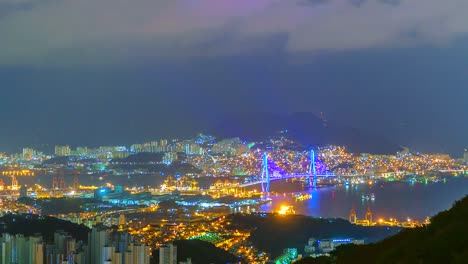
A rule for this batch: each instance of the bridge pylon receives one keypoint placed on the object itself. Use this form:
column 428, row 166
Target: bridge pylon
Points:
column 265, row 174
column 312, row 170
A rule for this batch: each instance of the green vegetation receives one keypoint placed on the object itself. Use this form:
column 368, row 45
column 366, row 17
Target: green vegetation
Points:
column 445, row 240
column 273, row 233
column 66, row 205
column 289, row 255
column 28, row 225
column 53, row 206
column 172, row 169
column 141, row 158
column 209, row 237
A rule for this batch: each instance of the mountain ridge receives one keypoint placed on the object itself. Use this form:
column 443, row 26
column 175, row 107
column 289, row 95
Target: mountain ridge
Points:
column 304, row 127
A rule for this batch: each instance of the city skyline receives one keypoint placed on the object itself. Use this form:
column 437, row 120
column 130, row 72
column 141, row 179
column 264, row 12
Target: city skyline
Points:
column 161, row 145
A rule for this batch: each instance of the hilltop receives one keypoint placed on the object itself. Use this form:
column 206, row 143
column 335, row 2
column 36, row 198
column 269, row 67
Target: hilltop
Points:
column 272, row 233
column 303, row 127
column 29, row 224
column 445, row 240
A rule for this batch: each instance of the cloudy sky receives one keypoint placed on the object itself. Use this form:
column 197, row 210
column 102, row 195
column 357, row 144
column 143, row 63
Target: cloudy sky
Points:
column 86, row 70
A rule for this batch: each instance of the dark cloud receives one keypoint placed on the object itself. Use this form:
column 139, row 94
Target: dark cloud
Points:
column 60, row 31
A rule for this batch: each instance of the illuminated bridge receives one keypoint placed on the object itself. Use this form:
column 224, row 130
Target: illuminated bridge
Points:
column 311, row 176
column 290, row 176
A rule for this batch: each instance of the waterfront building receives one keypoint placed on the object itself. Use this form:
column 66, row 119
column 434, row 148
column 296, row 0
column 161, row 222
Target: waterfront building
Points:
column 328, row 245
column 310, row 247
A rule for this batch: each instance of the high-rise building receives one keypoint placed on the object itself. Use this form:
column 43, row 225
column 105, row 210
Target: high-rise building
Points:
column 163, row 143
column 193, row 149
column 465, row 156
column 140, row 253
column 21, row 249
column 120, row 154
column 118, row 249
column 62, row 150
column 82, row 151
column 80, row 257
column 65, row 245
column 28, row 153
column 169, row 157
column 102, row 248
column 168, row 254
column 137, row 148
column 122, row 220
column 98, row 238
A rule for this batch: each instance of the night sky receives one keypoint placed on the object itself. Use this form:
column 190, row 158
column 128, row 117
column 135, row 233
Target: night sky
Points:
column 103, row 72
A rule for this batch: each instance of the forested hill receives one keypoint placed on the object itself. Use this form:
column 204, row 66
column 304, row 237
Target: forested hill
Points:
column 29, row 224
column 445, row 240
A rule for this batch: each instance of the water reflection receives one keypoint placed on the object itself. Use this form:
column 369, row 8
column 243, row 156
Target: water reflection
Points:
column 386, row 200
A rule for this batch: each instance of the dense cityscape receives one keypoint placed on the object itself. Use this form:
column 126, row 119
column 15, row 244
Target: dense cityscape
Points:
column 233, row 132
column 139, row 200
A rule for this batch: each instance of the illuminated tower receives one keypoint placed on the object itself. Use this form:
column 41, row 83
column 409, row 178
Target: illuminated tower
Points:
column 265, row 174
column 352, row 216
column 369, row 215
column 312, row 169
